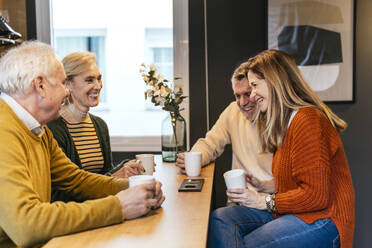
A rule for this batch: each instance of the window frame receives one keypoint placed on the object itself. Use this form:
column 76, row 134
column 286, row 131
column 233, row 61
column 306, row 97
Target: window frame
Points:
column 44, row 33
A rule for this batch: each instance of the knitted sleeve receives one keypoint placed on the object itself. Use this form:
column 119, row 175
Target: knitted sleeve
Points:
column 81, row 184
column 26, row 216
column 213, row 145
column 305, row 164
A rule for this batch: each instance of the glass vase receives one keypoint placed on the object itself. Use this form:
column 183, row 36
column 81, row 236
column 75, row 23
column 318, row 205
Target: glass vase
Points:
column 173, row 136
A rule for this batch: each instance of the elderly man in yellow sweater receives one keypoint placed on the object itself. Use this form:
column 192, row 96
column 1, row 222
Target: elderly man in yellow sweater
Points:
column 32, row 90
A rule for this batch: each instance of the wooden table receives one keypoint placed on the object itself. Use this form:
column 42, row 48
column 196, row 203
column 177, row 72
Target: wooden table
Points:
column 181, row 222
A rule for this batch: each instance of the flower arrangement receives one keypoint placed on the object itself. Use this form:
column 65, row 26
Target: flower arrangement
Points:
column 169, row 99
column 160, row 93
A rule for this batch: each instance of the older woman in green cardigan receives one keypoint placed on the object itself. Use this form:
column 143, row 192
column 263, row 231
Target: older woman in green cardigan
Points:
column 83, row 136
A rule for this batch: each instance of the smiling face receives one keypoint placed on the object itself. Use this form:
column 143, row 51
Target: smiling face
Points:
column 260, row 91
column 85, row 88
column 242, row 92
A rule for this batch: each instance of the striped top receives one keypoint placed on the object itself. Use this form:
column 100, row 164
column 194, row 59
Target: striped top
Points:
column 312, row 175
column 87, row 145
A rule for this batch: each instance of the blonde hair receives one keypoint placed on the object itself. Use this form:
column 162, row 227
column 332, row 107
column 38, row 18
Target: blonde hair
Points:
column 76, row 63
column 288, row 91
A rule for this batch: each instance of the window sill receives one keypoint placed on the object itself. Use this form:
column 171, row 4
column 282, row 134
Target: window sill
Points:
column 135, row 143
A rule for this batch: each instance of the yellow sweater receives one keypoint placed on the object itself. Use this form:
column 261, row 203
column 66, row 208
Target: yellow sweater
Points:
column 29, row 165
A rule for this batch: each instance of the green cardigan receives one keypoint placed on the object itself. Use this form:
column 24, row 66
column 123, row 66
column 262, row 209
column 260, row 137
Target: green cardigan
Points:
column 64, row 139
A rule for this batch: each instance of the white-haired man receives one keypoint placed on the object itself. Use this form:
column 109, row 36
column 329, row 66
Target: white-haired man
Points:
column 32, row 90
column 235, row 127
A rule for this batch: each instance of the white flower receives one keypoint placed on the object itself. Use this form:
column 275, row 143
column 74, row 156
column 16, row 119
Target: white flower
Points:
column 164, row 92
column 149, row 93
column 146, row 79
column 153, row 68
column 159, row 100
column 160, row 77
column 161, row 90
column 156, row 91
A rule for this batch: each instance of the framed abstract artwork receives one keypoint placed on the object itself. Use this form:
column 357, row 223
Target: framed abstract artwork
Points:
column 319, row 35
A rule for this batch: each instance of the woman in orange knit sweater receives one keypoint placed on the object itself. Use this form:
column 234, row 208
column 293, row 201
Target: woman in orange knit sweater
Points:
column 311, row 203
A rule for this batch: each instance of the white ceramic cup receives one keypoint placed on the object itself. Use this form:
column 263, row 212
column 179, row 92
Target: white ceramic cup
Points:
column 140, row 179
column 192, row 163
column 147, row 161
column 235, row 179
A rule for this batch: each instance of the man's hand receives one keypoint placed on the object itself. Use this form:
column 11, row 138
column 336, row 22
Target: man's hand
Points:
column 158, row 195
column 138, row 200
column 247, row 197
column 130, row 168
column 264, row 186
column 180, row 162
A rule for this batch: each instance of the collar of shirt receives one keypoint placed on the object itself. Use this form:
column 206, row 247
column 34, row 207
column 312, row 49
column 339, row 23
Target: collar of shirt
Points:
column 31, row 123
column 294, row 112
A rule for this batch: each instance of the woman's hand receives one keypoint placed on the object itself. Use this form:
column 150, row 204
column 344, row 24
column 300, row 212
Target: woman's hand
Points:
column 247, row 197
column 264, row 186
column 130, row 168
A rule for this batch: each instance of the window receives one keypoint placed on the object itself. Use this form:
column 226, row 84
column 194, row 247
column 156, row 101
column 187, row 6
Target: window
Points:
column 159, row 51
column 67, row 41
column 128, row 34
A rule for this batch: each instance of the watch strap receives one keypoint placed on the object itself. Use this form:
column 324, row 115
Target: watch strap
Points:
column 271, row 203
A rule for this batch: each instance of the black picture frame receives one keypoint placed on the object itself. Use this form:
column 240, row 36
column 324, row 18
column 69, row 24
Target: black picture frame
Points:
column 320, row 36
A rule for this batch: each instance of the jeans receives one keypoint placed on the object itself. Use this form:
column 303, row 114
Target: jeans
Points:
column 242, row 227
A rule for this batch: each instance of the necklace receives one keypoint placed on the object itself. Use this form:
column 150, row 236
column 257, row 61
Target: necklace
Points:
column 72, row 114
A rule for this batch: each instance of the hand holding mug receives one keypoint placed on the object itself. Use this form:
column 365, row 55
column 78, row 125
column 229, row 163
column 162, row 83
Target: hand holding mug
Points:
column 265, row 186
column 180, row 162
column 192, row 163
column 147, row 161
column 130, row 168
column 247, row 197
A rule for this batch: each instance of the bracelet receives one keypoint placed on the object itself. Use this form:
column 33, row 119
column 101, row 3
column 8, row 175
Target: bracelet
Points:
column 273, row 208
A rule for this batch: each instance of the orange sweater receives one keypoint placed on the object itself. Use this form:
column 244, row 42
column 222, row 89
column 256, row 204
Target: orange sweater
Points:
column 312, row 175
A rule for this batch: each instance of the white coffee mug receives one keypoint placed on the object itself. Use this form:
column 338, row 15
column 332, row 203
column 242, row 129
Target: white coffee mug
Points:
column 192, row 163
column 140, row 179
column 235, row 179
column 147, row 161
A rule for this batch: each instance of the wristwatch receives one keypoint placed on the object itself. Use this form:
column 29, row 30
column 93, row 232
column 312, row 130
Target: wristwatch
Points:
column 268, row 201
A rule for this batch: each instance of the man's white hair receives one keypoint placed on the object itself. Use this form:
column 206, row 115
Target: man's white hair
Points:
column 20, row 65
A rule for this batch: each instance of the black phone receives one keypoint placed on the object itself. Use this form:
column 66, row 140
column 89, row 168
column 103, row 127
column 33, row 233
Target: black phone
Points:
column 191, row 185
